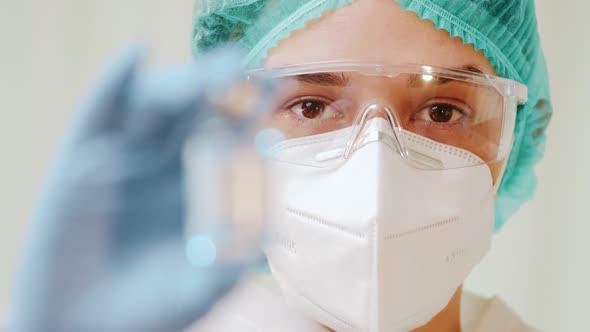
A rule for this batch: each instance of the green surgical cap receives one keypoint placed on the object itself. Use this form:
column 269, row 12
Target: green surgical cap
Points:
column 504, row 30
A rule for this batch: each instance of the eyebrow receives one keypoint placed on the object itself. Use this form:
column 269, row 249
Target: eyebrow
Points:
column 471, row 68
column 341, row 80
column 415, row 81
column 332, row 79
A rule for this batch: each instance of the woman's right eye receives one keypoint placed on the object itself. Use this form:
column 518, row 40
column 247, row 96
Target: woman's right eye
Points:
column 310, row 109
column 313, row 109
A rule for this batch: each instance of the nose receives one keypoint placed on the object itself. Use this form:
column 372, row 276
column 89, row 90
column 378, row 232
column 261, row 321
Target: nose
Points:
column 376, row 111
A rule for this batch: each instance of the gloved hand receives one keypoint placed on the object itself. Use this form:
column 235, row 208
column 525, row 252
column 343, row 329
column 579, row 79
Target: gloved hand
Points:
column 106, row 249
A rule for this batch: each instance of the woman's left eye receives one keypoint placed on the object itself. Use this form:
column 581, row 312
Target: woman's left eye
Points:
column 442, row 113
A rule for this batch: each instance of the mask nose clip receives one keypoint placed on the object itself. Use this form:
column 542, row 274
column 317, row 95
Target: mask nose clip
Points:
column 362, row 134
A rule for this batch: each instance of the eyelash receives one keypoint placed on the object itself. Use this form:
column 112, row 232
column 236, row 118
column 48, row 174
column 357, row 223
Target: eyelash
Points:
column 300, row 100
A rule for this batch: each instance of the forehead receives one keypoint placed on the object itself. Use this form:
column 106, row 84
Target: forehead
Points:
column 376, row 31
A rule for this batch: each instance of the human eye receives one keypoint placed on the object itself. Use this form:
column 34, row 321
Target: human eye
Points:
column 443, row 112
column 313, row 109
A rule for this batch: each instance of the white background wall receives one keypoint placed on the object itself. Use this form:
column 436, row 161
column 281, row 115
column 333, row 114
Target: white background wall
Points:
column 50, row 52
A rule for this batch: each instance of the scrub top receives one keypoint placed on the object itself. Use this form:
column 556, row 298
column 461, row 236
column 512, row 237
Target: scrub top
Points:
column 256, row 305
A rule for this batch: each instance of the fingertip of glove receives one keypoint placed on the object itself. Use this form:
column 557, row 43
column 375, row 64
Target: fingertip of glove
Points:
column 124, row 65
column 222, row 66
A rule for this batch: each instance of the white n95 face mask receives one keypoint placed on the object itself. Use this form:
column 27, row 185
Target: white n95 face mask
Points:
column 376, row 244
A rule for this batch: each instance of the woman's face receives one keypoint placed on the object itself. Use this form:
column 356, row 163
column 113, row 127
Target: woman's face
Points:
column 379, row 31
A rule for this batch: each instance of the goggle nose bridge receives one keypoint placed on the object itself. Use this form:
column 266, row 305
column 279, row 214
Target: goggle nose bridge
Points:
column 360, row 123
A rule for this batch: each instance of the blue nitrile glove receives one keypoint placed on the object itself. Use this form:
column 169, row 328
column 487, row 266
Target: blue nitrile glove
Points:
column 106, row 249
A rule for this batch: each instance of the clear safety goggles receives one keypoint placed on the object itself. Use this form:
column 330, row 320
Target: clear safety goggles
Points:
column 427, row 110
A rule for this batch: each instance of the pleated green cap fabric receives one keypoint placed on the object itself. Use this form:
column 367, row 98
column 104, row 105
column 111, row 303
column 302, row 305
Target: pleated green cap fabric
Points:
column 504, row 30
